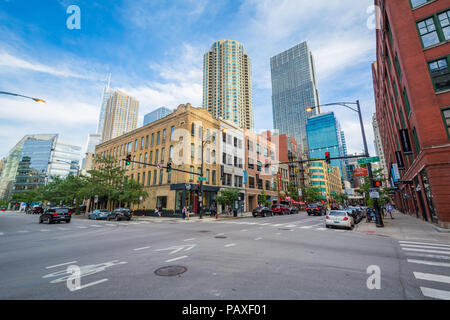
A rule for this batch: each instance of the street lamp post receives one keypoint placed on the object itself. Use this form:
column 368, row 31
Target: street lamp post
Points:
column 366, row 150
column 19, row 95
column 200, row 200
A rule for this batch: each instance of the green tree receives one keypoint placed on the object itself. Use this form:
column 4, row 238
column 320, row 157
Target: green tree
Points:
column 262, row 199
column 364, row 188
column 311, row 194
column 227, row 197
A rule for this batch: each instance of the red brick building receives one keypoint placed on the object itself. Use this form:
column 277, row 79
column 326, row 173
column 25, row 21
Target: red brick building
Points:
column 412, row 94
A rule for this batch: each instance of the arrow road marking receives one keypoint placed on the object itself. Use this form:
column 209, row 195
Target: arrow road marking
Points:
column 62, row 264
column 176, row 249
column 137, row 249
column 174, row 259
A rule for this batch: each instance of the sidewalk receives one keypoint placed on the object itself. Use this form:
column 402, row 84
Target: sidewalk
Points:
column 194, row 217
column 405, row 227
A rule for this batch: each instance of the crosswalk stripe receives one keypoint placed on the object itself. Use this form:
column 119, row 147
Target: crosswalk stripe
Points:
column 426, row 250
column 432, row 277
column 278, row 225
column 435, row 256
column 2, row 234
column 321, row 229
column 435, row 293
column 306, row 227
column 430, row 263
column 420, row 246
column 424, row 243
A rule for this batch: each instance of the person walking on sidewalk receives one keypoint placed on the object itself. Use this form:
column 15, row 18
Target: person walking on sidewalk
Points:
column 389, row 209
column 188, row 212
column 183, row 212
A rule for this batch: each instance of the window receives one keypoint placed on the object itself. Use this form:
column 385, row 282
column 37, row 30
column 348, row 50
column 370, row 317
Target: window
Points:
column 146, row 142
column 138, row 177
column 151, row 157
column 140, row 160
column 193, row 129
column 170, row 153
column 444, row 21
column 258, row 149
column 250, row 145
column 154, row 177
column 153, row 140
column 207, row 175
column 143, row 179
column 162, row 154
column 416, row 3
column 446, row 118
column 149, row 178
column 142, row 143
column 200, row 132
column 192, row 151
column 251, row 164
column 397, row 67
column 134, row 159
column 407, row 105
column 235, row 142
column 164, row 135
column 158, row 137
column 161, row 172
column 135, row 144
column 199, row 153
column 428, row 32
column 416, row 140
column 213, row 156
column 213, row 177
column 191, row 176
column 145, row 159
column 259, row 165
column 224, row 158
column 156, row 156
column 172, row 132
column 440, row 74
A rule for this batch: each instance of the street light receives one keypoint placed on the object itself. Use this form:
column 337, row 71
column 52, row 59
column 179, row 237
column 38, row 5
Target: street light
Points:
column 366, row 150
column 19, row 95
column 204, row 142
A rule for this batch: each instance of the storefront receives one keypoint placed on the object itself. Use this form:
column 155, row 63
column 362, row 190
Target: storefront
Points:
column 186, row 194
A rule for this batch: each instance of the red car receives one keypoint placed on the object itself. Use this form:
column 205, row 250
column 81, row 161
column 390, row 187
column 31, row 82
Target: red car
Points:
column 280, row 209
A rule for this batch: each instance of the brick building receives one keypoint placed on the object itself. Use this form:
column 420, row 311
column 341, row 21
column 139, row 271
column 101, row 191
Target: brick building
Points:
column 412, row 94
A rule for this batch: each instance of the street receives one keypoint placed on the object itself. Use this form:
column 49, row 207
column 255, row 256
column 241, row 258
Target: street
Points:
column 281, row 257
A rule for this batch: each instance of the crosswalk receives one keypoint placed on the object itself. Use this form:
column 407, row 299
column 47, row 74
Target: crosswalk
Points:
column 289, row 225
column 425, row 255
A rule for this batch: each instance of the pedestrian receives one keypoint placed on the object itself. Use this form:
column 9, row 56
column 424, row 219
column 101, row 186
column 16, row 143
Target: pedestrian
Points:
column 389, row 209
column 156, row 212
column 368, row 215
column 188, row 212
column 183, row 212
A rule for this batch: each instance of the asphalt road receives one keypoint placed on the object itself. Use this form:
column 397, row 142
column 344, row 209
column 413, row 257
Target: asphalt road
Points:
column 280, row 257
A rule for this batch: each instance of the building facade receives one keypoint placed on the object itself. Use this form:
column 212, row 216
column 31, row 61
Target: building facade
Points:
column 227, row 83
column 156, row 115
column 326, row 178
column 324, row 135
column 379, row 146
column 177, row 138
column 294, row 88
column 412, row 94
column 121, row 115
column 103, row 106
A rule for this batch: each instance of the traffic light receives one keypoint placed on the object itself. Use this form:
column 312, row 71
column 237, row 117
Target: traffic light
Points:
column 378, row 183
column 327, row 157
column 169, row 167
column 128, row 159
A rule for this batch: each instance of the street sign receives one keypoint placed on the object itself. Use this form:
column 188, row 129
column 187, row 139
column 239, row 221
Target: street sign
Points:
column 299, row 192
column 373, row 193
column 159, row 166
column 368, row 160
column 359, row 172
column 201, row 178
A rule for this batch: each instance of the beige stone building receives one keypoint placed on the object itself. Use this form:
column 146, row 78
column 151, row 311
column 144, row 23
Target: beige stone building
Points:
column 176, row 138
column 326, row 178
column 121, row 115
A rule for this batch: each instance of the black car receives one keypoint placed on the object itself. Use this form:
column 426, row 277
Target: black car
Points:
column 120, row 214
column 293, row 210
column 262, row 211
column 355, row 213
column 316, row 209
column 57, row 214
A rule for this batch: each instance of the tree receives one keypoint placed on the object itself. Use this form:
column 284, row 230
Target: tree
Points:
column 262, row 198
column 311, row 194
column 384, row 197
column 227, row 197
column 293, row 191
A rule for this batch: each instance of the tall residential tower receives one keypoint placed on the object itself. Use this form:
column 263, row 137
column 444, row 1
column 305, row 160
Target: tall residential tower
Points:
column 227, row 83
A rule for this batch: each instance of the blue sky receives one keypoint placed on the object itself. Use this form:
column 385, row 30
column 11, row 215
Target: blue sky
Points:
column 154, row 51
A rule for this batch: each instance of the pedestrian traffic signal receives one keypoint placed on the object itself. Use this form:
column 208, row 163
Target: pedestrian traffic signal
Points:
column 327, row 157
column 169, row 167
column 378, row 184
column 128, row 159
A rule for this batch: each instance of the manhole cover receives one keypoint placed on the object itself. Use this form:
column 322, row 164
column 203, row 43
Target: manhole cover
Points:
column 204, row 231
column 220, row 237
column 170, row 270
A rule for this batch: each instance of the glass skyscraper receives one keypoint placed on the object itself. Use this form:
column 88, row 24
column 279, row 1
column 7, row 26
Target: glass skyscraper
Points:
column 324, row 135
column 156, row 115
column 294, row 89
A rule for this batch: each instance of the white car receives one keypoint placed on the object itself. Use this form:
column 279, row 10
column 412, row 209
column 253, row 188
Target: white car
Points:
column 339, row 218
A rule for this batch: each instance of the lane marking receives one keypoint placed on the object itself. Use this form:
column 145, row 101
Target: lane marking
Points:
column 420, row 246
column 230, row 245
column 306, row 227
column 426, row 250
column 432, row 277
column 435, row 293
column 44, row 230
column 430, row 263
column 62, row 264
column 258, row 239
column 23, row 231
column 244, row 230
column 90, row 284
column 143, row 248
column 278, row 233
column 2, row 234
column 189, row 239
column 174, row 259
column 320, row 229
column 95, row 225
column 82, row 227
column 220, row 234
column 264, row 224
column 63, row 229
column 425, row 243
column 277, row 225
column 427, row 255
column 291, row 226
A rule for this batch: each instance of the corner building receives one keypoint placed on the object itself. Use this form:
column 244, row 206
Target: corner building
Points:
column 412, row 94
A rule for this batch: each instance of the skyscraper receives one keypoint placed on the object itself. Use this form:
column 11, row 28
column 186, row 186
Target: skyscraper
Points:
column 227, row 83
column 294, row 89
column 105, row 96
column 156, row 115
column 120, row 116
column 324, row 135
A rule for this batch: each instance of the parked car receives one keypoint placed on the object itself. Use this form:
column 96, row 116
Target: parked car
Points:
column 99, row 214
column 339, row 218
column 37, row 210
column 293, row 210
column 262, row 211
column 280, row 209
column 316, row 209
column 357, row 215
column 336, row 207
column 120, row 214
column 56, row 214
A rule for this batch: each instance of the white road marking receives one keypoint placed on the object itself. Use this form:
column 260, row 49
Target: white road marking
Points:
column 264, row 224
column 426, row 250
column 244, row 230
column 251, row 223
column 62, row 264
column 230, row 245
column 82, row 227
column 44, row 230
column 189, row 239
column 432, row 277
column 290, row 226
column 220, row 234
column 175, row 249
column 278, row 233
column 174, row 259
column 430, row 263
column 435, row 293
column 425, row 243
column 90, row 284
column 110, row 224
column 23, row 231
column 320, row 229
column 427, row 255
column 63, row 229
column 95, row 225
column 279, row 224
column 422, row 246
column 2, row 234
column 306, row 227
column 143, row 248
column 258, row 239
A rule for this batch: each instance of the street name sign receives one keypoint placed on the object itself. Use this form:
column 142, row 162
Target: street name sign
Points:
column 368, row 160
